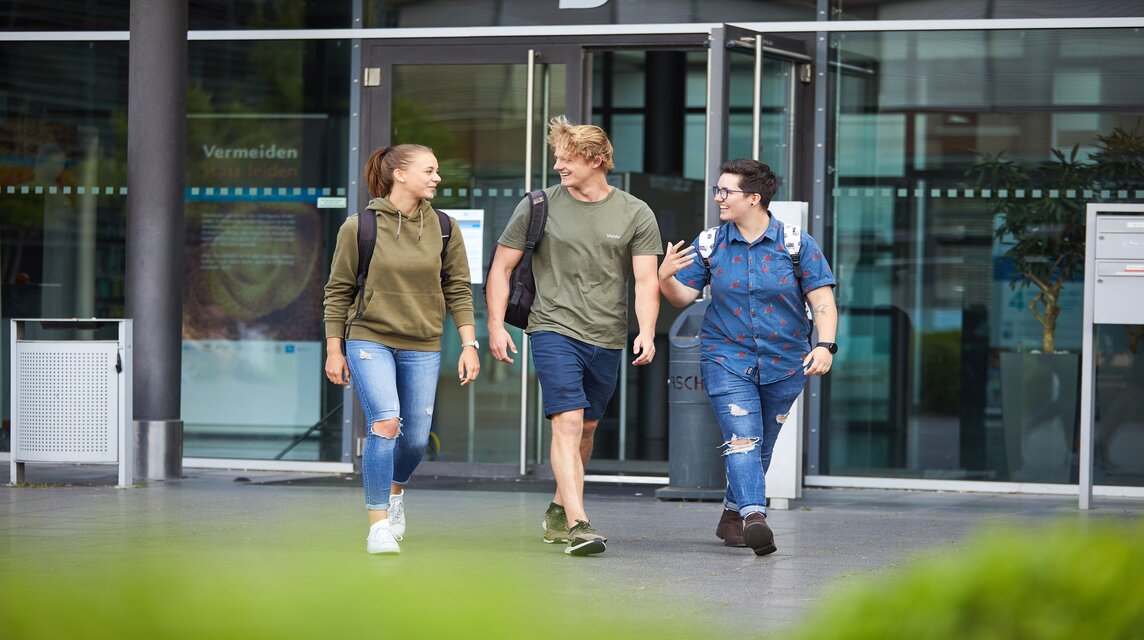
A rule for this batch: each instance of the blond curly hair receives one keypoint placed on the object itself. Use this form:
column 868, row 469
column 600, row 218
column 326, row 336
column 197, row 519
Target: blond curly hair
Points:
column 585, row 141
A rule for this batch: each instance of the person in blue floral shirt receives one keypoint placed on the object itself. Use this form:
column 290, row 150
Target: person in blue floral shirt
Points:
column 755, row 350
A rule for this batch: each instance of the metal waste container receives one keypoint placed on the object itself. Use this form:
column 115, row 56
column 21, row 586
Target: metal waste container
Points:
column 695, row 464
column 71, row 398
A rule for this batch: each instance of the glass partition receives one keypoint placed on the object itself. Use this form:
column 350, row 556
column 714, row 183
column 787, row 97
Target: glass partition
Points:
column 962, row 164
column 63, row 184
column 267, row 143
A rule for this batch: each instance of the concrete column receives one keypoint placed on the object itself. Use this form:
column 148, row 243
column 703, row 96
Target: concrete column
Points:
column 156, row 138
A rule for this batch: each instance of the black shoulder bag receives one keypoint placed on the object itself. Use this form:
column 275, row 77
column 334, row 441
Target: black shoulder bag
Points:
column 521, row 284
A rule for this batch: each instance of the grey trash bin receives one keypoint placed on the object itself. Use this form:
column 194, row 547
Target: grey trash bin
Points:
column 695, row 464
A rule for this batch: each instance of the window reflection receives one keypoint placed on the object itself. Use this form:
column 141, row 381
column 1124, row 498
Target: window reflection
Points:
column 939, row 253
column 265, row 166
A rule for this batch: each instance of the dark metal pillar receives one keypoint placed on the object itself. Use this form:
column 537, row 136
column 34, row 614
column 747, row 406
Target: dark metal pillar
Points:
column 156, row 135
column 665, row 97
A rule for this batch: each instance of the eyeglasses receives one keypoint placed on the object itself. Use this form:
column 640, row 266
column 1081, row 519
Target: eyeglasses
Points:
column 723, row 193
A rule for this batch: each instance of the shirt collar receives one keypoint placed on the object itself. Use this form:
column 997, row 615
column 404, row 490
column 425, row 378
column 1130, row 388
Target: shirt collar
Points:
column 772, row 232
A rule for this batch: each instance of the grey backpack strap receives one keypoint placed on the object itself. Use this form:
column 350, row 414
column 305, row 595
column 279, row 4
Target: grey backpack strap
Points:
column 792, row 240
column 706, row 245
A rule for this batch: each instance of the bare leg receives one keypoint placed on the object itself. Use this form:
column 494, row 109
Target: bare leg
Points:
column 567, row 464
column 587, row 440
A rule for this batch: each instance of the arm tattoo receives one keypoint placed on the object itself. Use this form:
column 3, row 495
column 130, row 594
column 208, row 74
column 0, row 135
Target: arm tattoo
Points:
column 820, row 310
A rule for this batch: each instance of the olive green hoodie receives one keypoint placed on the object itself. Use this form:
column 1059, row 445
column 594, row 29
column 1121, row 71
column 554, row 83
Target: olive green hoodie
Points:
column 404, row 304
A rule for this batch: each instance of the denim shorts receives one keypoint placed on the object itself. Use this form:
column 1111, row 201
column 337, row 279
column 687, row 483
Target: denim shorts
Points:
column 574, row 375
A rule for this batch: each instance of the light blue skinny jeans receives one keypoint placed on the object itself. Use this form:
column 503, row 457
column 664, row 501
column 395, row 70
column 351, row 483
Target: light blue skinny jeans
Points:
column 756, row 413
column 392, row 383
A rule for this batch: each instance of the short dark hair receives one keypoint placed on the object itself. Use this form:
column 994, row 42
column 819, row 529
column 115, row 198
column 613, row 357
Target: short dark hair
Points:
column 754, row 177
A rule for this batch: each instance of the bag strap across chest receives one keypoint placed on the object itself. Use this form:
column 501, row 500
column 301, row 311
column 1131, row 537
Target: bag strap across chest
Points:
column 792, row 241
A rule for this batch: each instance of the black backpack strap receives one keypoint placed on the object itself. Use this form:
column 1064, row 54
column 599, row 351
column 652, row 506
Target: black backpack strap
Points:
column 366, row 240
column 538, row 218
column 446, row 234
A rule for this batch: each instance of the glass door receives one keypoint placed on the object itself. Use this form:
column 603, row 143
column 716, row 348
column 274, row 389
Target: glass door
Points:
column 482, row 109
column 670, row 103
column 769, row 101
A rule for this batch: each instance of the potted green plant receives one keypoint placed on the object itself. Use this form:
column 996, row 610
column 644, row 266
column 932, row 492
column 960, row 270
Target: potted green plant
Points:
column 1042, row 219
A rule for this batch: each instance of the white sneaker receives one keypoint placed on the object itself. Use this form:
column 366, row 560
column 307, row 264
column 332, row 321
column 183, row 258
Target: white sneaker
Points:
column 397, row 514
column 381, row 539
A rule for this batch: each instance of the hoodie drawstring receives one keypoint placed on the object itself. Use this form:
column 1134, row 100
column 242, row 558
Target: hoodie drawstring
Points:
column 420, row 230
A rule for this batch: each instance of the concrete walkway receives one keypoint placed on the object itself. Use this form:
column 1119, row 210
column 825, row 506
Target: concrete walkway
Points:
column 662, row 557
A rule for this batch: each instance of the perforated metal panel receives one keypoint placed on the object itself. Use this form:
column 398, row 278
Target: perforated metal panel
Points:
column 66, row 407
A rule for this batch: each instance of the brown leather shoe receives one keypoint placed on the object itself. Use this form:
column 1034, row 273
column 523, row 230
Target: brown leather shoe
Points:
column 730, row 529
column 758, row 535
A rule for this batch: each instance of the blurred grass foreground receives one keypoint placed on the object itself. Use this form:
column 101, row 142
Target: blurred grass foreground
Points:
column 1067, row 581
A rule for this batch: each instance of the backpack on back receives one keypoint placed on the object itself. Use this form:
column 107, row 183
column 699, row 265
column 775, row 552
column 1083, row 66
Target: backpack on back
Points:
column 367, row 240
column 521, row 283
column 792, row 241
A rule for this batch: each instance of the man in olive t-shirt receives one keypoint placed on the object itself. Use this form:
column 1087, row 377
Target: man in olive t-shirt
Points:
column 595, row 237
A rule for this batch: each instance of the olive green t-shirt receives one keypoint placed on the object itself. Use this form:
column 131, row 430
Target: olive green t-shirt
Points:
column 583, row 262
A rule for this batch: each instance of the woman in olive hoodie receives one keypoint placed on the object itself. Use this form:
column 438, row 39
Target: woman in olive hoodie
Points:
column 393, row 351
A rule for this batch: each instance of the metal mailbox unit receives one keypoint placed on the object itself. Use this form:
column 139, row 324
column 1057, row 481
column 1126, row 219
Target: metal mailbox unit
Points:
column 1113, row 294
column 71, row 399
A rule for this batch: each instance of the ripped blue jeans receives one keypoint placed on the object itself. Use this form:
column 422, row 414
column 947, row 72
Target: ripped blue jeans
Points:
column 392, row 383
column 750, row 416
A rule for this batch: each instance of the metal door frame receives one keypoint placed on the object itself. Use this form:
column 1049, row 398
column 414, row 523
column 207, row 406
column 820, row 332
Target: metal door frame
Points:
column 576, row 53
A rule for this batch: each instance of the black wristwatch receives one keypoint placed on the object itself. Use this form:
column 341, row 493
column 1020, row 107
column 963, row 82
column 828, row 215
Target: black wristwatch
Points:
column 832, row 347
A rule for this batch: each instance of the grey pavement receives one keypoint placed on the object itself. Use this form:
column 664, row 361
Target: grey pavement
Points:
column 662, row 556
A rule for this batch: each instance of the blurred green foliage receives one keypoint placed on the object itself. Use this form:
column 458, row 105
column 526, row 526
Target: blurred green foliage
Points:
column 309, row 595
column 1070, row 582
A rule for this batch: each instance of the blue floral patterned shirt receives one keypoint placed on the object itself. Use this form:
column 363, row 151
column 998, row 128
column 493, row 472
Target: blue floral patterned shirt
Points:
column 756, row 325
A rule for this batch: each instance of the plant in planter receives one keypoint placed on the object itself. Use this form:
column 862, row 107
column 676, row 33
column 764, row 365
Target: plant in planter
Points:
column 1044, row 212
column 1043, row 217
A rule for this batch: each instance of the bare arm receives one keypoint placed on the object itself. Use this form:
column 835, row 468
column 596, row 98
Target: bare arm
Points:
column 826, row 322
column 496, row 300
column 677, row 293
column 647, row 307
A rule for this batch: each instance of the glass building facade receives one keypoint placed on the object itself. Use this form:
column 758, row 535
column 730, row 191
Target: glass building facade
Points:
column 919, row 132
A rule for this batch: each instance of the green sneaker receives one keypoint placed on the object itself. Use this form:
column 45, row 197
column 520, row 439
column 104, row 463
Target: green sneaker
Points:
column 584, row 541
column 555, row 524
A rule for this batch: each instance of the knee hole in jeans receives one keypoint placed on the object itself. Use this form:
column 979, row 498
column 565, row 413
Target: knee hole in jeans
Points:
column 739, row 445
column 386, row 428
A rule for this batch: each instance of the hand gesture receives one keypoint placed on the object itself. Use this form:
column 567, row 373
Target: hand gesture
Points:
column 675, row 259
